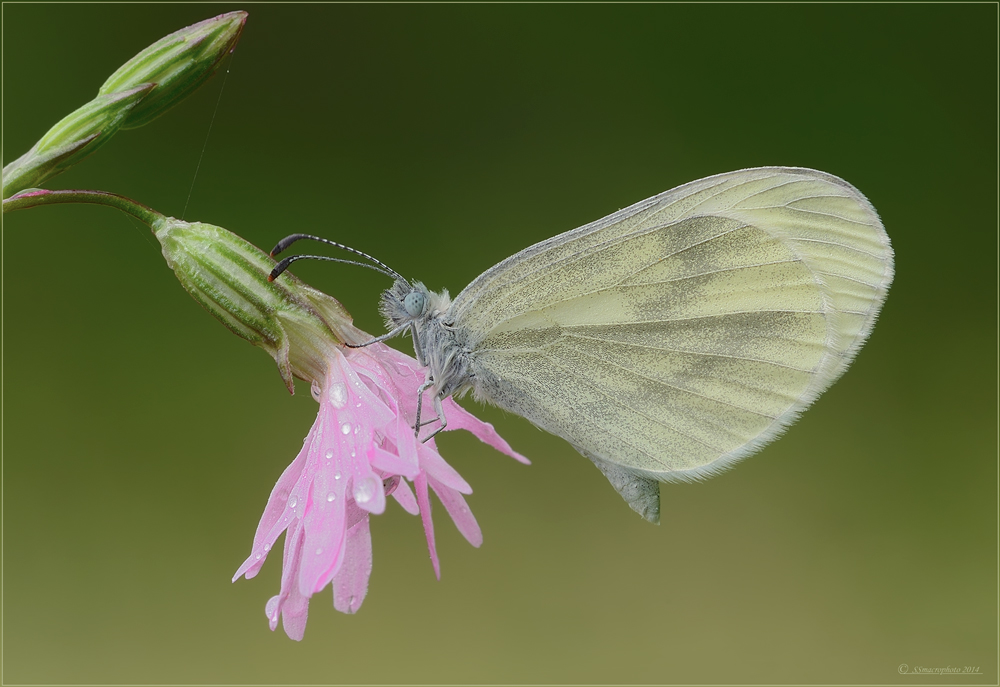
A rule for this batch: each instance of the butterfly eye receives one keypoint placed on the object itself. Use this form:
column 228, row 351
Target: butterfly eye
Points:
column 414, row 303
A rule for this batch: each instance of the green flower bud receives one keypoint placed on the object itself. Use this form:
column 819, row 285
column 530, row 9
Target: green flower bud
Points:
column 227, row 275
column 178, row 64
column 75, row 137
column 145, row 87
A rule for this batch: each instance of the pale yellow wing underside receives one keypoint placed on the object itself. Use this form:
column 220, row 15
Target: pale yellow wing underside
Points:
column 678, row 335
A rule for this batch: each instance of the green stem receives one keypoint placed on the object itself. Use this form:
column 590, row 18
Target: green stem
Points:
column 35, row 197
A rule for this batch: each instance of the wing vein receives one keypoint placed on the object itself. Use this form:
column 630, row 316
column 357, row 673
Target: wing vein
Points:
column 627, row 407
column 704, row 317
column 771, row 188
column 687, row 352
column 822, row 214
column 524, row 283
column 699, row 274
column 880, row 258
column 718, row 190
column 679, row 388
column 845, row 277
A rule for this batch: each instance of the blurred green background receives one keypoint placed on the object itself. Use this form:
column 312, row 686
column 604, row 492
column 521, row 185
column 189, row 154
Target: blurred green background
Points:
column 141, row 439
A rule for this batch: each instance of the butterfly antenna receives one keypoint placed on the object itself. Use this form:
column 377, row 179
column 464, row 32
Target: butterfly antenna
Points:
column 283, row 265
column 292, row 238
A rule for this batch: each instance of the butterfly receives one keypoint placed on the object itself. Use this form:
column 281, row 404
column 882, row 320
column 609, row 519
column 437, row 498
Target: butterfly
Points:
column 669, row 339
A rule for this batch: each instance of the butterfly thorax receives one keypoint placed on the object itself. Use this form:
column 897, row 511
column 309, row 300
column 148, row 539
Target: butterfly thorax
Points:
column 439, row 345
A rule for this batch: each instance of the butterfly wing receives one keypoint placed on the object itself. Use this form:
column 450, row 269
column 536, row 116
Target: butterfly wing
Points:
column 678, row 335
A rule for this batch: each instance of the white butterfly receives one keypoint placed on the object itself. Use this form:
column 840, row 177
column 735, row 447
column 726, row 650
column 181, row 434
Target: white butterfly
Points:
column 672, row 338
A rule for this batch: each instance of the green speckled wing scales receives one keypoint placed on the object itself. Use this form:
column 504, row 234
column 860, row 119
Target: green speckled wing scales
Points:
column 680, row 334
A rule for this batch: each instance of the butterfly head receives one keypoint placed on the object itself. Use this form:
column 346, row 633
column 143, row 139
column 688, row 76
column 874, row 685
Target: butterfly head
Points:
column 409, row 302
column 404, row 302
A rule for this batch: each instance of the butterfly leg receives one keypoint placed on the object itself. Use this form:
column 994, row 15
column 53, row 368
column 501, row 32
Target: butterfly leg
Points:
column 440, row 416
column 378, row 339
column 420, row 404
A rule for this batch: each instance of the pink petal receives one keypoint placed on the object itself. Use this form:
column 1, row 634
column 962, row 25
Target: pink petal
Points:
column 381, row 459
column 406, row 443
column 354, row 515
column 294, row 615
column 423, row 499
column 272, row 610
column 405, row 498
column 460, row 418
column 454, row 503
column 291, row 605
column 324, row 525
column 267, row 530
column 350, row 585
column 374, row 408
column 436, row 467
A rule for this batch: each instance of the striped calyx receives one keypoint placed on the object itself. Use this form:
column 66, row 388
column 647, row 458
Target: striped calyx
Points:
column 295, row 323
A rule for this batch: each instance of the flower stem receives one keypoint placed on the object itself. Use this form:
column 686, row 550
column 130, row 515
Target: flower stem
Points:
column 35, row 197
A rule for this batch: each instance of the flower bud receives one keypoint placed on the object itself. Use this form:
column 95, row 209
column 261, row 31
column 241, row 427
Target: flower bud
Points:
column 178, row 64
column 73, row 138
column 145, row 87
column 295, row 323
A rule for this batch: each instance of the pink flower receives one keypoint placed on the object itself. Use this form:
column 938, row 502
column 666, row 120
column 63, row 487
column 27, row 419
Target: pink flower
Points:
column 360, row 450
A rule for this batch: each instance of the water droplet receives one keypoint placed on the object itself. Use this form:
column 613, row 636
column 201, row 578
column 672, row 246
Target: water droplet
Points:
column 345, row 428
column 319, row 551
column 316, row 391
column 329, row 454
column 293, row 501
column 353, row 453
column 336, row 475
column 267, row 547
column 358, row 406
column 338, row 395
column 357, row 429
column 257, row 556
column 364, row 490
column 331, row 496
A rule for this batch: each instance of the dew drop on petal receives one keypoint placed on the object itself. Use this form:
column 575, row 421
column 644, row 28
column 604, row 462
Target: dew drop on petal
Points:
column 336, row 475
column 338, row 395
column 364, row 490
column 319, row 551
column 258, row 556
column 267, row 547
column 293, row 501
column 331, row 496
column 357, row 428
column 345, row 428
column 329, row 454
